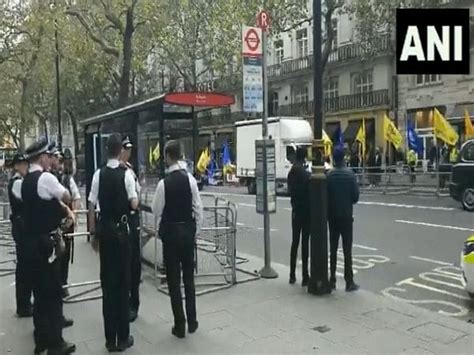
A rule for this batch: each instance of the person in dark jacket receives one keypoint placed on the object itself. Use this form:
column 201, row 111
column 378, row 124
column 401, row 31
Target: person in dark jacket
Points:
column 298, row 180
column 343, row 193
column 23, row 278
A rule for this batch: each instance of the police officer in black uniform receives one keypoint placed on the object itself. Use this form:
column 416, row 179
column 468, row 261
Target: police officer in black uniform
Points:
column 113, row 188
column 134, row 224
column 63, row 170
column 23, row 281
column 178, row 214
column 44, row 208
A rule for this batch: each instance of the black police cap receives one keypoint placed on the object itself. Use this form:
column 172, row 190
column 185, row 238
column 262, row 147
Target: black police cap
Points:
column 127, row 143
column 67, row 154
column 37, row 148
column 52, row 149
column 19, row 158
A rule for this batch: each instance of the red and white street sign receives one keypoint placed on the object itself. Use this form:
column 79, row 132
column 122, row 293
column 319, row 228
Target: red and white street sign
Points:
column 252, row 41
column 263, row 20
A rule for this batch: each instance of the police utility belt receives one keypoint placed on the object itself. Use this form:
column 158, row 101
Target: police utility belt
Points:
column 107, row 228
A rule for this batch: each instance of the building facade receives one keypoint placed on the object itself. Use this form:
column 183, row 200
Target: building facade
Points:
column 358, row 83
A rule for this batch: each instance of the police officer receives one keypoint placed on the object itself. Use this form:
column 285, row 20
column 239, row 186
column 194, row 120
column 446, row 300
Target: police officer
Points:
column 178, row 215
column 298, row 180
column 65, row 176
column 44, row 207
column 23, row 281
column 343, row 193
column 113, row 188
column 134, row 223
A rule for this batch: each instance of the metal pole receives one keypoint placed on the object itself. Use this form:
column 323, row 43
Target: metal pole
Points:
column 267, row 271
column 58, row 87
column 318, row 283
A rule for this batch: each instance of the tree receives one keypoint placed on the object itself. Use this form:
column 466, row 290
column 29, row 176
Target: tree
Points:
column 23, row 29
column 113, row 25
column 203, row 38
column 376, row 16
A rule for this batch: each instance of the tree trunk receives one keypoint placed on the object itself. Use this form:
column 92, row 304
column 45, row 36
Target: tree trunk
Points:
column 23, row 103
column 124, row 85
column 75, row 130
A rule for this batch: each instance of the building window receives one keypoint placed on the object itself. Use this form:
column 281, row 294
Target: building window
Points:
column 423, row 79
column 363, row 82
column 300, row 94
column 274, row 103
column 302, row 42
column 331, row 88
column 335, row 32
column 279, row 51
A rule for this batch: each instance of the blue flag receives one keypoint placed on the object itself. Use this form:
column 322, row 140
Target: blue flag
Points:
column 414, row 142
column 338, row 138
column 226, row 154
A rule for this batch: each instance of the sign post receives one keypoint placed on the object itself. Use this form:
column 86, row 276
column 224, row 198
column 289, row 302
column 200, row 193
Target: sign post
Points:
column 255, row 87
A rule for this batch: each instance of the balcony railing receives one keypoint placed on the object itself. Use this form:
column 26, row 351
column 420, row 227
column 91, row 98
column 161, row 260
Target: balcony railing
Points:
column 342, row 54
column 341, row 103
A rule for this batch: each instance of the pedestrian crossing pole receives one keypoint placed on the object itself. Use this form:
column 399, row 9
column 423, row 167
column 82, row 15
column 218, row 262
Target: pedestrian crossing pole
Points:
column 318, row 283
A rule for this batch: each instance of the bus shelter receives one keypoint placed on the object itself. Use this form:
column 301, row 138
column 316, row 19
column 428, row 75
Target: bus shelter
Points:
column 149, row 124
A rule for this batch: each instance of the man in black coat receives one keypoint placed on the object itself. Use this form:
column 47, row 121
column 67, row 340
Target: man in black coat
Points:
column 343, row 193
column 298, row 180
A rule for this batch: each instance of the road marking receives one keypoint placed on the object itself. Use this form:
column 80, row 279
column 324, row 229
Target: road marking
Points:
column 435, row 225
column 440, row 281
column 364, row 247
column 247, row 205
column 240, row 224
column 431, row 260
column 271, row 229
column 433, row 208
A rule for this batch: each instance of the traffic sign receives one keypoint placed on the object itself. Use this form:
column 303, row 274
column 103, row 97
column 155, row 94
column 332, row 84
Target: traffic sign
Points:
column 263, row 20
column 252, row 41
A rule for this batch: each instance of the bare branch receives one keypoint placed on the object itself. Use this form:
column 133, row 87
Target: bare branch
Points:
column 109, row 15
column 99, row 40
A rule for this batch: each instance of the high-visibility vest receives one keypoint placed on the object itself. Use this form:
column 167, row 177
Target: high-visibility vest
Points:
column 453, row 156
column 411, row 157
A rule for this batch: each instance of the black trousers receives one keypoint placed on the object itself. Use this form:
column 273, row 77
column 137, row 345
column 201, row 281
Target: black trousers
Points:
column 178, row 250
column 136, row 263
column 23, row 276
column 115, row 280
column 65, row 259
column 336, row 230
column 300, row 224
column 23, row 280
column 48, row 305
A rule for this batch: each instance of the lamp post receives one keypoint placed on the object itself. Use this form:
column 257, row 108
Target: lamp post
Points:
column 58, row 86
column 318, row 283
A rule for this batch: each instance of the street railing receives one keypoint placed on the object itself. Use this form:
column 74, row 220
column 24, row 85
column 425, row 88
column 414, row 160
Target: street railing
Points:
column 401, row 179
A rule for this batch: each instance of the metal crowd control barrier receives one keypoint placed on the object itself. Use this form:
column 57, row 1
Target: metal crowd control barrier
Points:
column 402, row 180
column 7, row 244
column 215, row 251
column 82, row 296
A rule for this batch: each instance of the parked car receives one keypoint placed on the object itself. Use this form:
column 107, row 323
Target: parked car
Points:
column 461, row 187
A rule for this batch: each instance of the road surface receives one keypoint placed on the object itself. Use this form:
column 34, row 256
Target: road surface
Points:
column 405, row 247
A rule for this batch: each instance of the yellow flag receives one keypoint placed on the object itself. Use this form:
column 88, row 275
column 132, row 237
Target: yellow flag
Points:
column 203, row 161
column 469, row 127
column 391, row 133
column 361, row 137
column 327, row 144
column 443, row 130
column 156, row 152
column 150, row 156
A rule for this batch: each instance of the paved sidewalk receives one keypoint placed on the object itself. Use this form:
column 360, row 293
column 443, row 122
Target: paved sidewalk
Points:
column 264, row 316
